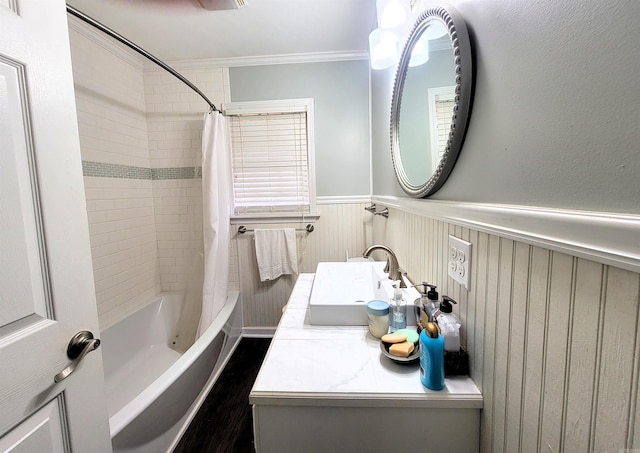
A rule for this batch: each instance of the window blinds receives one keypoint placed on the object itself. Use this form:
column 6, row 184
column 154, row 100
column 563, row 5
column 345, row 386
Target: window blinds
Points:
column 270, row 162
column 444, row 114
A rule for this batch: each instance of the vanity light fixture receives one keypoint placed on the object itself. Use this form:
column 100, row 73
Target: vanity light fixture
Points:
column 383, row 48
column 420, row 52
column 392, row 13
column 384, row 42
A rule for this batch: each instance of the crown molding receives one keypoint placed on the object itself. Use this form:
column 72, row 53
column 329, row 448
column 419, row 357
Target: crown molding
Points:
column 317, row 57
column 608, row 238
column 130, row 57
column 104, row 41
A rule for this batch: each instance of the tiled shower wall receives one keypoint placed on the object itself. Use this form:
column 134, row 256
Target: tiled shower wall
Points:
column 140, row 136
column 174, row 118
column 553, row 339
column 118, row 187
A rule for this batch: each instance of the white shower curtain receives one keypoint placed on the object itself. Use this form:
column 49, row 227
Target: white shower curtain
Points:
column 216, row 196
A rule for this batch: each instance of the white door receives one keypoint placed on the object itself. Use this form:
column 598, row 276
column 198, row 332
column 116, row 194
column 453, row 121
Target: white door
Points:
column 46, row 279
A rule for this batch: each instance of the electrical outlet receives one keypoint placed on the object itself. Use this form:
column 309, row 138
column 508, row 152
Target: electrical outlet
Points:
column 459, row 264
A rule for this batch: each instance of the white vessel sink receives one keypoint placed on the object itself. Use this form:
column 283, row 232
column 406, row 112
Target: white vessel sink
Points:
column 341, row 291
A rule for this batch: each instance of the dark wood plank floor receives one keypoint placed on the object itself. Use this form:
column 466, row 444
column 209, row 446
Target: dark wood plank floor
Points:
column 224, row 422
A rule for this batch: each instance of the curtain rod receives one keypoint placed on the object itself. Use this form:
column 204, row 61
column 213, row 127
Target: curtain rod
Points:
column 80, row 15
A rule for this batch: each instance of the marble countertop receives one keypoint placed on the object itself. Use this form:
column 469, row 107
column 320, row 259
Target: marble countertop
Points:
column 343, row 366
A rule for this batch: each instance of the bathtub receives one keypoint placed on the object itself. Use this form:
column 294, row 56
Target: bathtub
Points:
column 153, row 392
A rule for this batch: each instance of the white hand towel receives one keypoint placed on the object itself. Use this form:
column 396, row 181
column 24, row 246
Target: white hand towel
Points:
column 276, row 253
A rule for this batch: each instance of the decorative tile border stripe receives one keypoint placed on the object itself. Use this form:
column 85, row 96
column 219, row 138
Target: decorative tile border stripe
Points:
column 176, row 173
column 105, row 170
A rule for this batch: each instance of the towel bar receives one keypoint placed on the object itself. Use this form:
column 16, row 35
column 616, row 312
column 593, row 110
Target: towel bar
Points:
column 309, row 229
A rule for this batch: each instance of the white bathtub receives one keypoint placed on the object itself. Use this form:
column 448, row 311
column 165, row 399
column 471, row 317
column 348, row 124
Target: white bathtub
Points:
column 153, row 392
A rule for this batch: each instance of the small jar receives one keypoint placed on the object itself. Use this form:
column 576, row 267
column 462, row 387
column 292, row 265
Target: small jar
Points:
column 378, row 316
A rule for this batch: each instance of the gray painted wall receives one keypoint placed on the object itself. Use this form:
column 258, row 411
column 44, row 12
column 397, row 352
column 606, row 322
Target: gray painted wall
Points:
column 556, row 113
column 341, row 98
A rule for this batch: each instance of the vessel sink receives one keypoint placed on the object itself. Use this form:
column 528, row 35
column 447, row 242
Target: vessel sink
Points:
column 341, row 291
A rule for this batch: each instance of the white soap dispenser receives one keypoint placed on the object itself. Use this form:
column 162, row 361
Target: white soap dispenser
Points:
column 449, row 325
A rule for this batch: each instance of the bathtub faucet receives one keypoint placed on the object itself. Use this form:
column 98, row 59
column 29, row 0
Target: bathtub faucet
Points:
column 392, row 266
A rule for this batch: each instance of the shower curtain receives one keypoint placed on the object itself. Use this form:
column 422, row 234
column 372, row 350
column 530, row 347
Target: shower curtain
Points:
column 216, row 196
column 207, row 266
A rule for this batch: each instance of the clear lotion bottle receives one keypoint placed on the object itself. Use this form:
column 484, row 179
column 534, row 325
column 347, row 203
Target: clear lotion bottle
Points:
column 398, row 311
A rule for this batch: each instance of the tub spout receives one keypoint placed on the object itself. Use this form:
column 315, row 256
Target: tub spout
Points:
column 392, row 262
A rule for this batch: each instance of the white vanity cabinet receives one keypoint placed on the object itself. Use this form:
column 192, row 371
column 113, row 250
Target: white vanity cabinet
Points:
column 329, row 389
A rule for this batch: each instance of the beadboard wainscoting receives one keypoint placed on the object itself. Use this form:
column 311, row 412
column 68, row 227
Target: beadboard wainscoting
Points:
column 342, row 228
column 553, row 338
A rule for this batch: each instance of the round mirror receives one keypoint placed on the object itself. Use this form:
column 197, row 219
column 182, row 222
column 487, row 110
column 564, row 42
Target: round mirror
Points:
column 431, row 101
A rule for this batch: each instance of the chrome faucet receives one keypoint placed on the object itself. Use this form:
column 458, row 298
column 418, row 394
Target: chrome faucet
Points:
column 392, row 266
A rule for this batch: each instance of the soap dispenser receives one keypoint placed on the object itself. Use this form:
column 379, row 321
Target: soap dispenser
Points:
column 449, row 325
column 432, row 307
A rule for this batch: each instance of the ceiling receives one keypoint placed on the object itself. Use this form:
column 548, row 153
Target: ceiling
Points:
column 183, row 30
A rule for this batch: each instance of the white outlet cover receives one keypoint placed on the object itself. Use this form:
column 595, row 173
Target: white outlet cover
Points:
column 459, row 268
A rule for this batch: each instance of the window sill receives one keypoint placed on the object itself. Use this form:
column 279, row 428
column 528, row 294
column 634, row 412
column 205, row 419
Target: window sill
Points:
column 273, row 218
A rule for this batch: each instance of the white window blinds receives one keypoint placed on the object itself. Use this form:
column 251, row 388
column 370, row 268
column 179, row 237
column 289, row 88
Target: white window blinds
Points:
column 441, row 101
column 271, row 158
column 444, row 113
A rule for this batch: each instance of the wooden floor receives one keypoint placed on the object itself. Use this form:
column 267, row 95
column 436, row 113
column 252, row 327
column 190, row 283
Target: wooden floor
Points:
column 224, row 422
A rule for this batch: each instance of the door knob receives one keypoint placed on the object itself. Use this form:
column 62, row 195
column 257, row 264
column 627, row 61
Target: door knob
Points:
column 80, row 345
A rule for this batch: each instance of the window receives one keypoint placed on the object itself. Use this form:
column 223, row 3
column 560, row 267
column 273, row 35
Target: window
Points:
column 441, row 102
column 272, row 155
